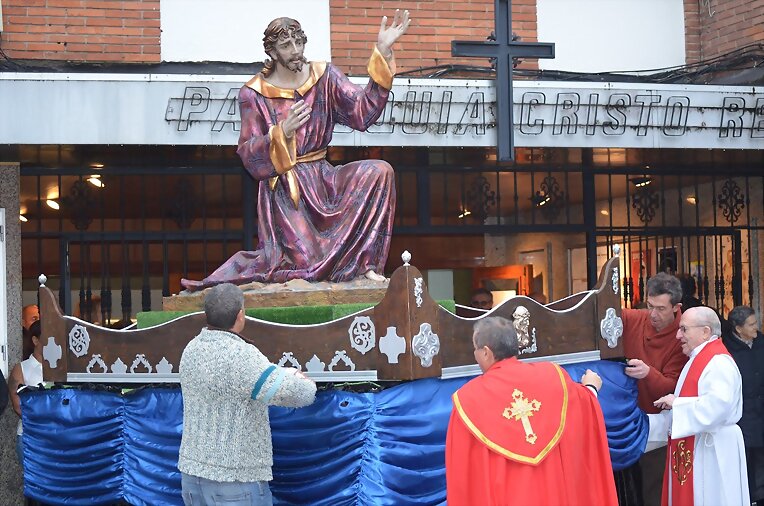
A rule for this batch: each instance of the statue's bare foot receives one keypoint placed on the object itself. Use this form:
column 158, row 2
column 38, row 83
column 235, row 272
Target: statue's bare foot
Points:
column 373, row 276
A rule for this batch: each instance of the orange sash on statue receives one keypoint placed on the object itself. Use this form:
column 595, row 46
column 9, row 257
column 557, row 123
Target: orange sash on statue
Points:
column 522, row 420
column 681, row 452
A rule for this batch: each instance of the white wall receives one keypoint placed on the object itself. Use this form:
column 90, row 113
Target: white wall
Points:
column 612, row 35
column 232, row 30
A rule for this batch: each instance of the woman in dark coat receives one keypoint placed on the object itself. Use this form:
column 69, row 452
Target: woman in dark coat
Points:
column 745, row 343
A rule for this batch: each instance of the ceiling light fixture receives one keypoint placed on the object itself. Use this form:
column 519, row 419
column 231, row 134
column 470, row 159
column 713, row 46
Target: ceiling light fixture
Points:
column 97, row 165
column 691, row 199
column 53, row 204
column 465, row 213
column 96, row 181
column 604, row 212
column 23, row 219
column 540, row 199
column 641, row 182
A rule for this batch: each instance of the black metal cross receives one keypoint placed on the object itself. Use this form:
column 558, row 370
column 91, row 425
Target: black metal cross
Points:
column 503, row 49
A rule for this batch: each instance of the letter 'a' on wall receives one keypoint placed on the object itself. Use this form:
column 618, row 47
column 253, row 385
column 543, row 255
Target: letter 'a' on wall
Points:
column 621, row 35
column 3, row 299
column 232, row 30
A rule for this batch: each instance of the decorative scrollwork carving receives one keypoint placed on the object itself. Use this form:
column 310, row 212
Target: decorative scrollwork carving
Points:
column 418, row 291
column 79, row 204
column 646, row 202
column 140, row 358
column 731, row 201
column 341, row 356
column 79, row 341
column 288, row 358
column 480, row 198
column 425, row 344
column 96, row 360
column 549, row 198
column 611, row 328
column 362, row 335
column 181, row 208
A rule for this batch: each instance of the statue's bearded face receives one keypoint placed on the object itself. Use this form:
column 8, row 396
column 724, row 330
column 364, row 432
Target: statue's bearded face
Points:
column 288, row 52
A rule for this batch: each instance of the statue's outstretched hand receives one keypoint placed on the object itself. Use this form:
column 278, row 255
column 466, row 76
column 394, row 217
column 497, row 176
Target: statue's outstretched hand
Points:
column 388, row 35
column 298, row 115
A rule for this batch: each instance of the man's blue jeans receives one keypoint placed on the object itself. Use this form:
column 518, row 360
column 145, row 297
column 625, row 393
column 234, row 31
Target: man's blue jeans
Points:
column 202, row 492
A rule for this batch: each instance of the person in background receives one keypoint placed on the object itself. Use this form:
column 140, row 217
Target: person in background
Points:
column 706, row 457
column 654, row 359
column 3, row 393
column 228, row 384
column 525, row 433
column 746, row 345
column 29, row 373
column 481, row 299
column 29, row 315
column 689, row 289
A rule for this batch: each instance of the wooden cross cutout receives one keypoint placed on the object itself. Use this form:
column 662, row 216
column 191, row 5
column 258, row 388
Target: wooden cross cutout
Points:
column 522, row 409
column 503, row 49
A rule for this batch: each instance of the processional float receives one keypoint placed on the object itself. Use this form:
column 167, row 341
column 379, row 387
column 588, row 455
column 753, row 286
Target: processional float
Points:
column 406, row 336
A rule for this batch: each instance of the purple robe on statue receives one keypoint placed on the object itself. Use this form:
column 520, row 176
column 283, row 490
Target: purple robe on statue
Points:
column 316, row 222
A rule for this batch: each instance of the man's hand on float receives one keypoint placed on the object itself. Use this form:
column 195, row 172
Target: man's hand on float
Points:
column 298, row 115
column 636, row 369
column 665, row 402
column 388, row 35
column 591, row 378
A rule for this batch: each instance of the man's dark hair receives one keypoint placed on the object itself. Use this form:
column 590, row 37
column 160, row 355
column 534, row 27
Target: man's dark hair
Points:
column 739, row 315
column 663, row 283
column 279, row 29
column 498, row 334
column 482, row 291
column 689, row 286
column 35, row 330
column 222, row 304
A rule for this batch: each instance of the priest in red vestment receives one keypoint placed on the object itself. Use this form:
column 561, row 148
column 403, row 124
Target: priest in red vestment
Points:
column 525, row 433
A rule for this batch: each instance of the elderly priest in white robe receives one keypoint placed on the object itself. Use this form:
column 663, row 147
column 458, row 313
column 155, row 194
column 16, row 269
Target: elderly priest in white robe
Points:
column 706, row 458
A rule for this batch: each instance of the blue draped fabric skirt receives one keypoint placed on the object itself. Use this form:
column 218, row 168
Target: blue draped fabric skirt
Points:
column 95, row 447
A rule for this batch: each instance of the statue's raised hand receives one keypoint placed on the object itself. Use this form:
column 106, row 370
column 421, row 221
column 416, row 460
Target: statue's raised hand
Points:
column 389, row 34
column 298, row 115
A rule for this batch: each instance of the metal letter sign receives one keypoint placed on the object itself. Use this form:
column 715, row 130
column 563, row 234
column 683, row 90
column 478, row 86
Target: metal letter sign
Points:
column 503, row 49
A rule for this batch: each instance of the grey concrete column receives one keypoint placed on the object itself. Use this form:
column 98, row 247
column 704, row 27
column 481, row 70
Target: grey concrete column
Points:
column 10, row 472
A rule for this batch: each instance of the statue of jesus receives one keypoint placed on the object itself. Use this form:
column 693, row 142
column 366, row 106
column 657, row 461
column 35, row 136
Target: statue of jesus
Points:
column 316, row 222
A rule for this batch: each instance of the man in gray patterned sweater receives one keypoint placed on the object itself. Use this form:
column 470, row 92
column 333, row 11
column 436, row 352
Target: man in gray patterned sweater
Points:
column 226, row 452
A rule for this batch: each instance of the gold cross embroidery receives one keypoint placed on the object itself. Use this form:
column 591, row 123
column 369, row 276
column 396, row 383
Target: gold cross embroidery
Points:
column 522, row 409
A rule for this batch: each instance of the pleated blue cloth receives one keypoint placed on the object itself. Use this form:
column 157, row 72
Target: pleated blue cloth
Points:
column 94, row 447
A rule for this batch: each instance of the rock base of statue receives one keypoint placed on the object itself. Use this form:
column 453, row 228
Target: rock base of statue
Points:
column 297, row 292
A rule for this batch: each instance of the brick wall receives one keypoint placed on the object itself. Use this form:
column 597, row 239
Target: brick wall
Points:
column 82, row 30
column 692, row 31
column 355, row 24
column 731, row 24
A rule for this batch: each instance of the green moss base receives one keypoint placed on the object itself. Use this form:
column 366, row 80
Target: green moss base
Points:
column 307, row 315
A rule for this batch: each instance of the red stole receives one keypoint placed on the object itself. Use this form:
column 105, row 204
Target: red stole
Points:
column 681, row 452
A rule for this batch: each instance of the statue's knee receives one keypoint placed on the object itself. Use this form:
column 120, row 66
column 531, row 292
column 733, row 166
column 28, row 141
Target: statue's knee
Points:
column 384, row 170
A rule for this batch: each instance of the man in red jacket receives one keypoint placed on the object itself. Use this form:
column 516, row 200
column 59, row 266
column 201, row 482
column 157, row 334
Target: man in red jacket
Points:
column 655, row 360
column 525, row 433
